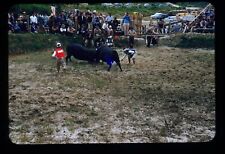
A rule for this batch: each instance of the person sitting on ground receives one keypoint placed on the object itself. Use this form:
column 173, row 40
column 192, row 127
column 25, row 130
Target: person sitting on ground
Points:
column 71, row 31
column 55, row 29
column 59, row 54
column 63, row 29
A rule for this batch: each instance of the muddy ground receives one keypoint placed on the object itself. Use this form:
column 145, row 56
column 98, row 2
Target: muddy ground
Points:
column 167, row 96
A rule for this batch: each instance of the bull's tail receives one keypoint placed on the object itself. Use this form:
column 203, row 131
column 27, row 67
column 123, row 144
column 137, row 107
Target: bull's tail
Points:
column 117, row 59
column 68, row 54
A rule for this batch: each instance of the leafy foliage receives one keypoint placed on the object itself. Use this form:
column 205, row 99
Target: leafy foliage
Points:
column 29, row 42
column 190, row 41
column 30, row 8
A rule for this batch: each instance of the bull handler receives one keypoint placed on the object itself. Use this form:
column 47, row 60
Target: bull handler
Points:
column 59, row 54
column 130, row 52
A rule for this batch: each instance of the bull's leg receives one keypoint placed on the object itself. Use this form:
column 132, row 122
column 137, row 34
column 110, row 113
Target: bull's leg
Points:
column 110, row 65
column 118, row 63
column 68, row 57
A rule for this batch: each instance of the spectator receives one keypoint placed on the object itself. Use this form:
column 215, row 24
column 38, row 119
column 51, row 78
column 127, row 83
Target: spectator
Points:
column 115, row 24
column 83, row 32
column 22, row 25
column 151, row 38
column 62, row 17
column 101, row 18
column 63, row 29
column 97, row 36
column 33, row 22
column 55, row 28
column 45, row 19
column 139, row 23
column 131, row 34
column 96, row 22
column 51, row 22
column 82, row 21
column 126, row 21
column 11, row 17
column 71, row 31
column 105, row 28
column 109, row 19
column 16, row 28
column 89, row 20
column 110, row 31
column 89, row 39
column 161, row 26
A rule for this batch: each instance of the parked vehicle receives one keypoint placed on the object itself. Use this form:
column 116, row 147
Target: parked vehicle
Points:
column 159, row 16
column 146, row 5
column 127, row 4
column 118, row 4
column 107, row 4
column 170, row 19
column 188, row 17
column 175, row 12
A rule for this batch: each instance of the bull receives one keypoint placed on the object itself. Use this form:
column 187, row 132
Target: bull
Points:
column 80, row 52
column 108, row 55
column 104, row 53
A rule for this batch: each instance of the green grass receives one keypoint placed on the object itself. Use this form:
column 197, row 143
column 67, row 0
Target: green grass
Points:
column 115, row 11
column 119, row 11
column 28, row 42
column 190, row 40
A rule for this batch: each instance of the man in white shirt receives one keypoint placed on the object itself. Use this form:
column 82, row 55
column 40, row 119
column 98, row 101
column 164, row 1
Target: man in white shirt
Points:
column 33, row 19
column 33, row 22
column 109, row 19
column 130, row 52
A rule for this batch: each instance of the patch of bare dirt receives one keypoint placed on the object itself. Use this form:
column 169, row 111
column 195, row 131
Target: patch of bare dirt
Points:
column 167, row 96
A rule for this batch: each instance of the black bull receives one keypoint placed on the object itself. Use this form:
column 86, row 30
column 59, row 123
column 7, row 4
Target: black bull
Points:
column 103, row 53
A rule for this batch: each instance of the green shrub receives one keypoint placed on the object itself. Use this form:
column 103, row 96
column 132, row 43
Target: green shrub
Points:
column 29, row 8
column 190, row 40
column 29, row 42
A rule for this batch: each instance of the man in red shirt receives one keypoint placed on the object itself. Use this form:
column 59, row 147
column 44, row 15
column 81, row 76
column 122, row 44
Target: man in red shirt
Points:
column 59, row 54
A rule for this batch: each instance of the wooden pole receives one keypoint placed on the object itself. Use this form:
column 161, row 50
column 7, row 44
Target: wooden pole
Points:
column 200, row 13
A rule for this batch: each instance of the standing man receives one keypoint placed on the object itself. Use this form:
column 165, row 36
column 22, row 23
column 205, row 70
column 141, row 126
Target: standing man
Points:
column 59, row 54
column 131, row 34
column 33, row 22
column 109, row 19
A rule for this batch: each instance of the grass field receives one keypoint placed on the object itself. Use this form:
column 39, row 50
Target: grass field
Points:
column 167, row 96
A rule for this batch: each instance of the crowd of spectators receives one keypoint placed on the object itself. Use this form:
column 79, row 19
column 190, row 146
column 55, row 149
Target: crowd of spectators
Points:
column 205, row 22
column 88, row 24
column 93, row 25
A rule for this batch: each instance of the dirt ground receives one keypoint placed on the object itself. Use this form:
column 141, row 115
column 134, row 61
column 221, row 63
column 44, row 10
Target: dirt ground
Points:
column 167, row 96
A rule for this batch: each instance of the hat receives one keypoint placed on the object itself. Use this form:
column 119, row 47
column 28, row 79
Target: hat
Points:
column 94, row 11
